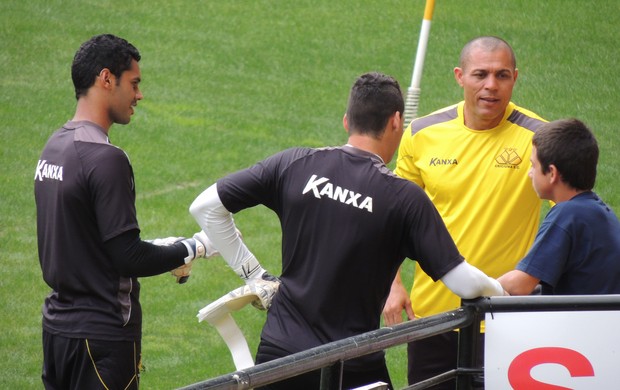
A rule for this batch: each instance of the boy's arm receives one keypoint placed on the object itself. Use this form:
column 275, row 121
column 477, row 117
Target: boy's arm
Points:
column 517, row 282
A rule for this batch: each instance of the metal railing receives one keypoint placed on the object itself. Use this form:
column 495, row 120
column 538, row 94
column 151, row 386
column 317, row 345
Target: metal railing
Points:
column 329, row 358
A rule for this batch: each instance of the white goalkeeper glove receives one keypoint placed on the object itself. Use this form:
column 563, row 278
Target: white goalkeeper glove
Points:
column 182, row 273
column 197, row 246
column 209, row 249
column 266, row 288
column 195, row 249
column 259, row 281
column 165, row 241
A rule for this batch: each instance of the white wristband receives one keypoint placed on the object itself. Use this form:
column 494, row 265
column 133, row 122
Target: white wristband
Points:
column 250, row 269
column 191, row 255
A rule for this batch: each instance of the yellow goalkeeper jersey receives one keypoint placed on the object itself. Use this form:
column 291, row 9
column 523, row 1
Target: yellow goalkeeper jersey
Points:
column 478, row 180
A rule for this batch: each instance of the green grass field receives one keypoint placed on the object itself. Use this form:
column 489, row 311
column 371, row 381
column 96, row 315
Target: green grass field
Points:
column 227, row 83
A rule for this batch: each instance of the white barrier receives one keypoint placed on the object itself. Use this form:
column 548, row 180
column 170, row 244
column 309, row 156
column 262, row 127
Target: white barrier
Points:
column 577, row 350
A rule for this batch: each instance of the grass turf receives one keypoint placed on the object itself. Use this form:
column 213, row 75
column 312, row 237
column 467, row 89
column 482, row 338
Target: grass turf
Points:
column 228, row 83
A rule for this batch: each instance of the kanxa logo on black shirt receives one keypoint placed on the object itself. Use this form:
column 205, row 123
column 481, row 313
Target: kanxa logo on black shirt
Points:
column 47, row 171
column 336, row 193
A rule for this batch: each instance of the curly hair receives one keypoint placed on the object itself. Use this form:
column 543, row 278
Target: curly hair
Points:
column 99, row 52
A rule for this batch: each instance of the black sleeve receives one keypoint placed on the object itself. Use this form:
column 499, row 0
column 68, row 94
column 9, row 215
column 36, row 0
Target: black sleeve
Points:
column 429, row 243
column 257, row 184
column 133, row 257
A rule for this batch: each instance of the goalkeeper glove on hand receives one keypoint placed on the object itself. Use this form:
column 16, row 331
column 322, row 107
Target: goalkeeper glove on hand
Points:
column 266, row 288
column 197, row 246
column 210, row 250
column 259, row 281
column 194, row 249
column 165, row 241
column 182, row 273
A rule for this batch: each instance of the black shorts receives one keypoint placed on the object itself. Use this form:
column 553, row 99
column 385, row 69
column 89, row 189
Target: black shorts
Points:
column 312, row 380
column 70, row 363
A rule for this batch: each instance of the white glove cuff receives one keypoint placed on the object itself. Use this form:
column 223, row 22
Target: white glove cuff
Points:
column 210, row 250
column 194, row 249
column 190, row 252
column 250, row 269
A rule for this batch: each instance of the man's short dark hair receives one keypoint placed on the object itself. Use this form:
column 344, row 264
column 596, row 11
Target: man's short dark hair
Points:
column 373, row 99
column 99, row 52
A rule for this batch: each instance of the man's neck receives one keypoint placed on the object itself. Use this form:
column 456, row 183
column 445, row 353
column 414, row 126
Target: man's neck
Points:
column 477, row 123
column 87, row 110
column 368, row 144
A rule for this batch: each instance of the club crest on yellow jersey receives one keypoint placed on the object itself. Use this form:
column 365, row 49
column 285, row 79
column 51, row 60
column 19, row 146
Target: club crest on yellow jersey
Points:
column 508, row 158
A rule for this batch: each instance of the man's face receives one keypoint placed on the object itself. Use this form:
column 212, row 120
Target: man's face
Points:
column 487, row 79
column 125, row 95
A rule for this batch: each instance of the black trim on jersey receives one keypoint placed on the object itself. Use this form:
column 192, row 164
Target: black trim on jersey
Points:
column 433, row 119
column 517, row 117
column 525, row 121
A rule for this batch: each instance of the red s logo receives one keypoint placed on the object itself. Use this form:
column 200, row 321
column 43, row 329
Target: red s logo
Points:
column 519, row 371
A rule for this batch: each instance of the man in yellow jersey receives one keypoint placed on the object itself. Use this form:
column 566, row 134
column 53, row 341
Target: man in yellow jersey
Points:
column 472, row 159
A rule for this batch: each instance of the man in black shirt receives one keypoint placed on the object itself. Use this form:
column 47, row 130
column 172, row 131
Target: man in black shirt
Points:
column 89, row 241
column 347, row 224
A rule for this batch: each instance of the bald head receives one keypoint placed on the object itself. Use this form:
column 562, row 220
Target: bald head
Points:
column 487, row 44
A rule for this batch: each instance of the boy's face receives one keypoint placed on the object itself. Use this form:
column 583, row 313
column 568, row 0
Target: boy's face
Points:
column 540, row 180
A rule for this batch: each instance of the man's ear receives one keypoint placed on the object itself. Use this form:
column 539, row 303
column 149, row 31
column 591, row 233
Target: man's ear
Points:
column 458, row 75
column 345, row 122
column 106, row 78
column 397, row 121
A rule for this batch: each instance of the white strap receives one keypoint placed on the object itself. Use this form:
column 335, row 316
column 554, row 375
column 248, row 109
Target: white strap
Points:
column 217, row 313
column 238, row 346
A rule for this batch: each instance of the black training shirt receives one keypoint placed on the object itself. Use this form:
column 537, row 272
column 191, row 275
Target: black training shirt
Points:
column 84, row 192
column 348, row 222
